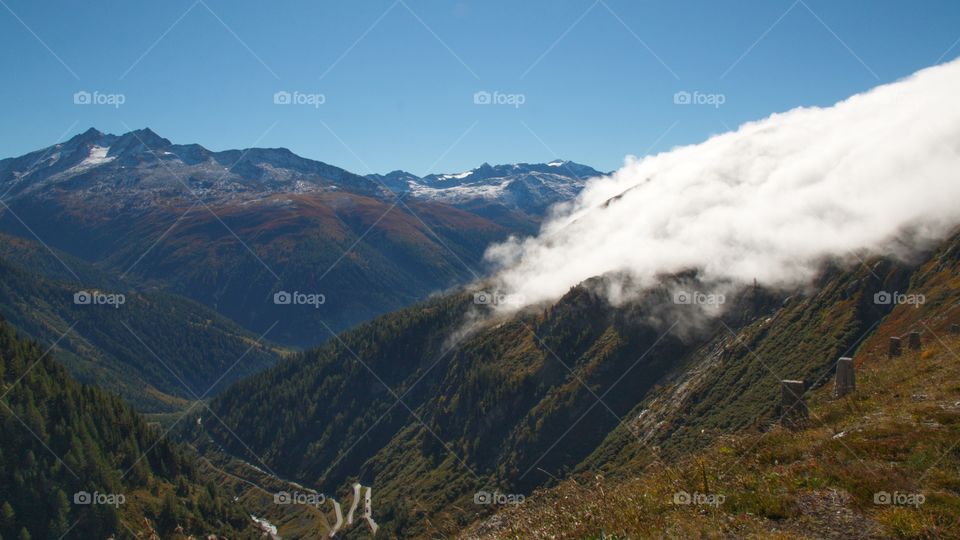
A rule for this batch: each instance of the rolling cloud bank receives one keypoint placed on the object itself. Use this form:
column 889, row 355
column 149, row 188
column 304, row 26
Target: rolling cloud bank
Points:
column 876, row 174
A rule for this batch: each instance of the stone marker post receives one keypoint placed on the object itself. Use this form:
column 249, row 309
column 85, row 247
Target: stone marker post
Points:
column 846, row 380
column 913, row 341
column 896, row 348
column 793, row 408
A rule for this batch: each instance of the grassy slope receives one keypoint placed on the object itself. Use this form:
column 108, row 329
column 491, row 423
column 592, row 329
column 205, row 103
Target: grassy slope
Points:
column 809, row 484
column 731, row 382
column 898, row 433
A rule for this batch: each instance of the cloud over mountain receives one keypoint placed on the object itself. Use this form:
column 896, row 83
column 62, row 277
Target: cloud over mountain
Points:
column 878, row 173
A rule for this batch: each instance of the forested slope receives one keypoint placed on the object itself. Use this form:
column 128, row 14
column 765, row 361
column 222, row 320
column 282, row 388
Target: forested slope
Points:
column 76, row 462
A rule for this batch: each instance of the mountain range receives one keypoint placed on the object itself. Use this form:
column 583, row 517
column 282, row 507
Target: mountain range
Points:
column 232, row 229
column 522, row 187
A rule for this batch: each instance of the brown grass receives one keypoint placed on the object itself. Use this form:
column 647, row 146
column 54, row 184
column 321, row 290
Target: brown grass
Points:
column 898, row 433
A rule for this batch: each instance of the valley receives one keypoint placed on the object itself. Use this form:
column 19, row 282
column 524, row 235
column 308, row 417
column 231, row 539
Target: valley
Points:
column 398, row 269
column 418, row 437
column 407, row 402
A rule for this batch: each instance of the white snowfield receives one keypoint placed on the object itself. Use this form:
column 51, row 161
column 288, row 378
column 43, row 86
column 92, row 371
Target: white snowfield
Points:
column 98, row 156
column 541, row 187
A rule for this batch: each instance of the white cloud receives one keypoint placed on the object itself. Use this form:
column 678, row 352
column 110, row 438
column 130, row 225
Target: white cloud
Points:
column 878, row 173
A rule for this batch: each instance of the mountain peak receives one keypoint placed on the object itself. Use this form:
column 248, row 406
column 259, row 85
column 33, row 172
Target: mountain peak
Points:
column 139, row 141
column 90, row 135
column 149, row 137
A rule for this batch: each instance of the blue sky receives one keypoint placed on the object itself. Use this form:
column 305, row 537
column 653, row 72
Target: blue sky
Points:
column 597, row 79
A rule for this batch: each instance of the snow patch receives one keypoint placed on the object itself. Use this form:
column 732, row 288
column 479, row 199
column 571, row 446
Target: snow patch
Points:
column 460, row 193
column 458, row 176
column 96, row 157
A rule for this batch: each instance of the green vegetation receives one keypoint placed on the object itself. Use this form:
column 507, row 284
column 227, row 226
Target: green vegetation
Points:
column 60, row 440
column 897, row 434
column 324, row 419
column 512, row 404
column 114, row 348
column 891, row 440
